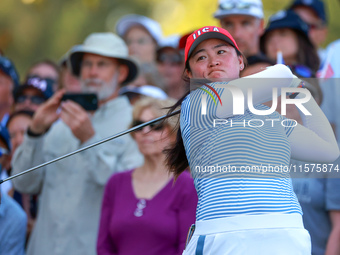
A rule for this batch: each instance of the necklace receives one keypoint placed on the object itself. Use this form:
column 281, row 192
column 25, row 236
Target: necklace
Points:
column 141, row 204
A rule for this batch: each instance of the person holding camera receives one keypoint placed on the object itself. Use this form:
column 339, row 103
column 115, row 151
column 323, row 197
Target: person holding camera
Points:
column 71, row 190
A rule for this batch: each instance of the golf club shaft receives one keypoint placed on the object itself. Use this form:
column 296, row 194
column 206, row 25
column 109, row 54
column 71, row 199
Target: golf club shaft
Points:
column 91, row 145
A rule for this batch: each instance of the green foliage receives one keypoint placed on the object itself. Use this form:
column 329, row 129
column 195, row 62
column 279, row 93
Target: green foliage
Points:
column 31, row 30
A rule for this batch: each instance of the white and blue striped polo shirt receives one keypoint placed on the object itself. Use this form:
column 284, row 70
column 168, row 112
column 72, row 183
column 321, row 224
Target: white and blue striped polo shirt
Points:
column 238, row 168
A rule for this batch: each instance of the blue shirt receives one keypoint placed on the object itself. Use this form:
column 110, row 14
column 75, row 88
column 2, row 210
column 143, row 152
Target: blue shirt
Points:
column 318, row 194
column 4, row 120
column 238, row 168
column 13, row 223
column 331, row 86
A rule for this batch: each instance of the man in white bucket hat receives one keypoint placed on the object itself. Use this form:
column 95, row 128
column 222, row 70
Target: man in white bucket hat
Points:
column 71, row 190
column 114, row 66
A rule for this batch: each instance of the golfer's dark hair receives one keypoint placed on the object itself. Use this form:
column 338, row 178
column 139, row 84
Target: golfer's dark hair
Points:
column 176, row 159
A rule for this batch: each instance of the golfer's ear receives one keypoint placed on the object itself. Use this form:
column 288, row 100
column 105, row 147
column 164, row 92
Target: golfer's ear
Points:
column 188, row 73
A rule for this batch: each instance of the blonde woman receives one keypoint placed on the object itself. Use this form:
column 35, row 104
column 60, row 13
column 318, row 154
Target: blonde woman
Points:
column 144, row 211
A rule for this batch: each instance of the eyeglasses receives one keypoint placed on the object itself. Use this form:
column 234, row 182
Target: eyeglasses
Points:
column 140, row 41
column 242, row 6
column 157, row 126
column 316, row 26
column 34, row 99
column 3, row 151
column 169, row 58
column 302, row 71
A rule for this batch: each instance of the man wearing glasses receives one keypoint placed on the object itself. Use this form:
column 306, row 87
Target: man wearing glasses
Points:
column 244, row 21
column 71, row 189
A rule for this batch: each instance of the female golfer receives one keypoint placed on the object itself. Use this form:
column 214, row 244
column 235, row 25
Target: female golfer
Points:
column 240, row 161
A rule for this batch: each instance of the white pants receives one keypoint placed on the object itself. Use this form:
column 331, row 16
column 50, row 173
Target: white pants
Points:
column 269, row 234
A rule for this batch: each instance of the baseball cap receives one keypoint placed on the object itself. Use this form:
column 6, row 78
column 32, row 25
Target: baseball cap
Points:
column 146, row 90
column 43, row 85
column 204, row 33
column 107, row 45
column 9, row 69
column 128, row 21
column 239, row 7
column 183, row 40
column 170, row 41
column 317, row 6
column 286, row 19
column 4, row 136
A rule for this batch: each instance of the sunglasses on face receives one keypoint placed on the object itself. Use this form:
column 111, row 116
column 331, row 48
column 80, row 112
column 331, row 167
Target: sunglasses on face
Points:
column 34, row 99
column 302, row 71
column 316, row 26
column 169, row 58
column 241, row 6
column 157, row 126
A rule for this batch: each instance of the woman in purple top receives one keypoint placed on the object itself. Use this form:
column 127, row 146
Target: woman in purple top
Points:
column 143, row 210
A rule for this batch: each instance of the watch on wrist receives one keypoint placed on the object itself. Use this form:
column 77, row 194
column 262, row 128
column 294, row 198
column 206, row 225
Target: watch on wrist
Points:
column 32, row 134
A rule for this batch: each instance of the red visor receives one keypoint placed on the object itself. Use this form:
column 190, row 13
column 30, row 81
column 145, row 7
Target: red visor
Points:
column 204, row 33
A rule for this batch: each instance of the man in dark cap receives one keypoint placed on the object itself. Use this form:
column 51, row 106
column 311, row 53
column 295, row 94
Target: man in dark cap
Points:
column 9, row 79
column 30, row 95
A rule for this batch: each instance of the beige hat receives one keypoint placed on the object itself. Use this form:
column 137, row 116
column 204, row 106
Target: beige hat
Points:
column 107, row 45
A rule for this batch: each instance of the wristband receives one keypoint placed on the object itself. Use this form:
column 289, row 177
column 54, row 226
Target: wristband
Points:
column 32, row 134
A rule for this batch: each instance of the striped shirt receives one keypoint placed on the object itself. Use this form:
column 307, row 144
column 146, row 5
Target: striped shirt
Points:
column 240, row 164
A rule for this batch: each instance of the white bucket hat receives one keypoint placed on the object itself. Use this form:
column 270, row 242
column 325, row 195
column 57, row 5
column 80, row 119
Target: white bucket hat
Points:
column 107, row 45
column 239, row 7
column 145, row 90
column 128, row 21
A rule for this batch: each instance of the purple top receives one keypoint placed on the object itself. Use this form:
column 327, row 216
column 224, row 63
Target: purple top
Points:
column 140, row 226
